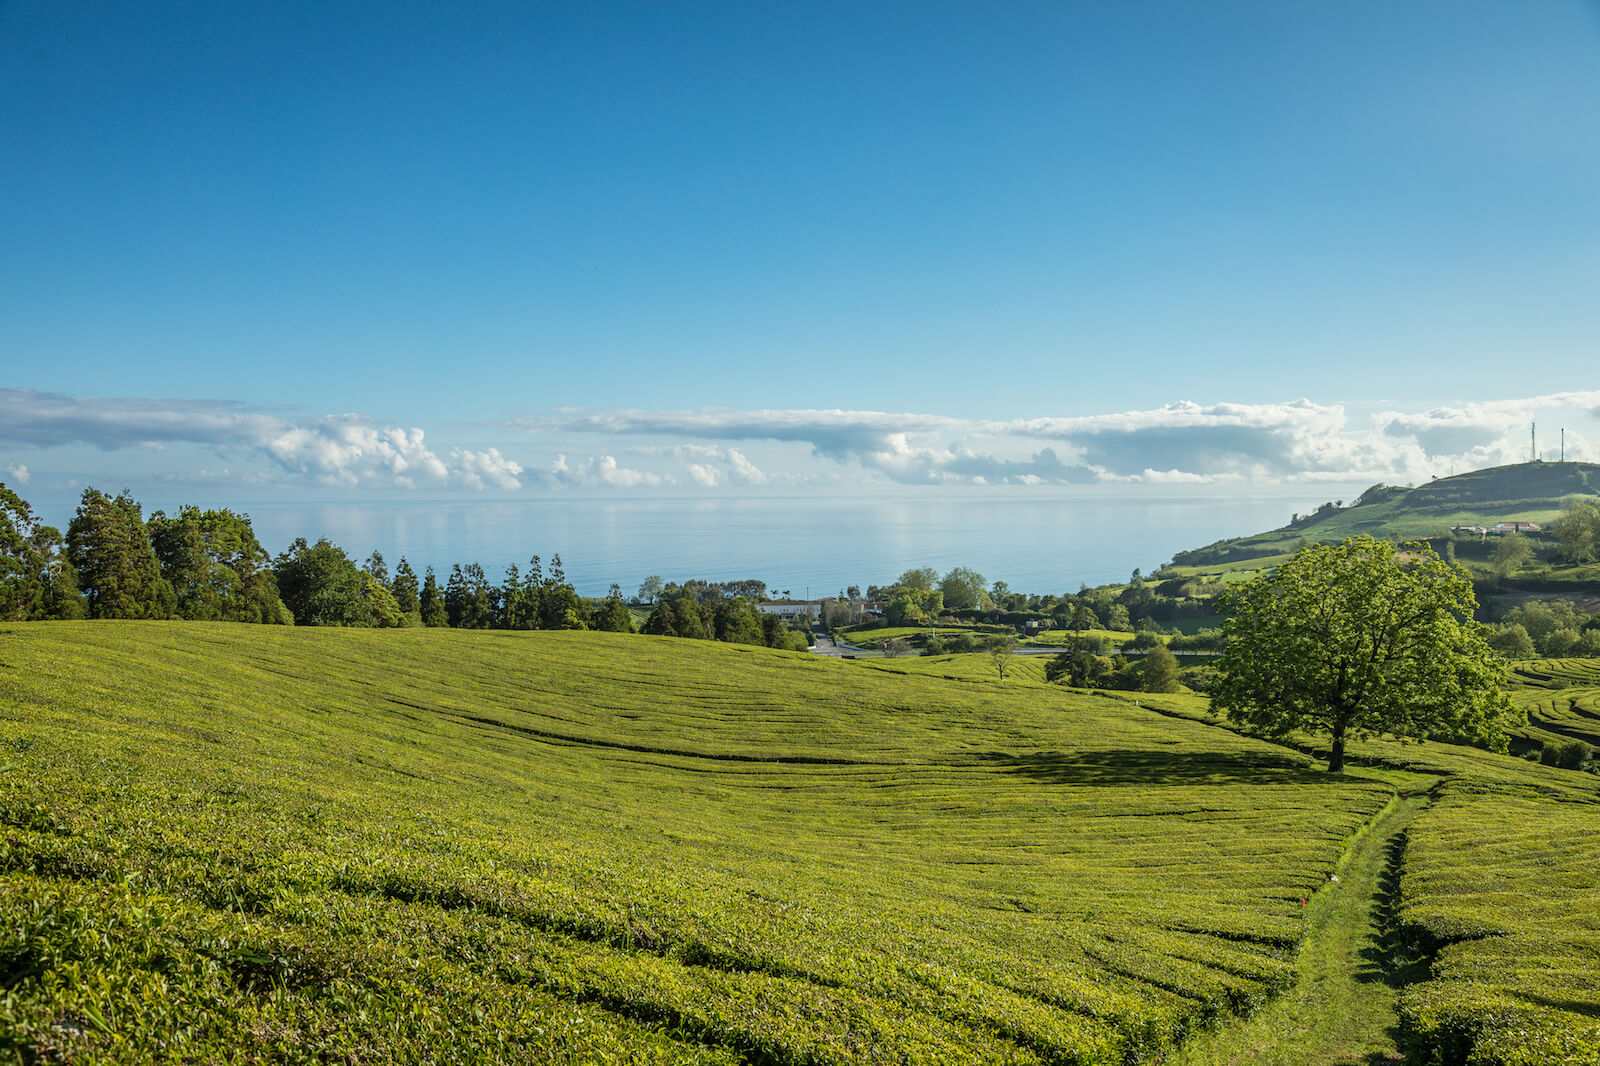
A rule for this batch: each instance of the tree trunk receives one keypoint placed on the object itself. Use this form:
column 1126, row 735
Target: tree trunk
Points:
column 1336, row 756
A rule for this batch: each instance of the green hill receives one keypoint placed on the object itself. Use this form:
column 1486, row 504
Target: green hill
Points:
column 233, row 843
column 1527, row 492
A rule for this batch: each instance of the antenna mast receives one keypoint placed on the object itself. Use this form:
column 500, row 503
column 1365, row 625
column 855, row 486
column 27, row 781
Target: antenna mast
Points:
column 1533, row 442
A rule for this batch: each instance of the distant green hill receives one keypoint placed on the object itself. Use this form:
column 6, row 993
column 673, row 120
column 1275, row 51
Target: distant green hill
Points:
column 1527, row 492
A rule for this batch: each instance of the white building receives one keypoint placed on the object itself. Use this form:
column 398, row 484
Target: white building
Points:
column 791, row 608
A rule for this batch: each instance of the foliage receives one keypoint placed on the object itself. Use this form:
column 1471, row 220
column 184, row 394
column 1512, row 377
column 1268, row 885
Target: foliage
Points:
column 1356, row 638
column 406, row 591
column 613, row 616
column 1578, row 530
column 1510, row 554
column 430, row 601
column 217, row 569
column 321, row 586
column 1079, row 666
column 1567, row 754
column 109, row 547
column 1159, row 670
column 1511, row 641
column 36, row 578
column 922, row 579
column 905, row 605
column 964, row 588
column 1555, row 628
column 702, row 610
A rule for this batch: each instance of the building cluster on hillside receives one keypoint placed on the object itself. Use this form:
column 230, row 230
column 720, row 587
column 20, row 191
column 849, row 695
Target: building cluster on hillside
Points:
column 1498, row 529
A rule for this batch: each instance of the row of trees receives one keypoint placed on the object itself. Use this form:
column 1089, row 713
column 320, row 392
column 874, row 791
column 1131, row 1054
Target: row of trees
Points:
column 208, row 566
column 203, row 565
column 922, row 596
column 703, row 610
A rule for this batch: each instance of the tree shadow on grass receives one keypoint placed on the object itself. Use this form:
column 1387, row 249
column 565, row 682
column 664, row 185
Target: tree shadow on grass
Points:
column 1145, row 767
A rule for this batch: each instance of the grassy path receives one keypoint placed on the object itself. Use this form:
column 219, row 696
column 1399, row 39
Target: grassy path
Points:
column 1342, row 1006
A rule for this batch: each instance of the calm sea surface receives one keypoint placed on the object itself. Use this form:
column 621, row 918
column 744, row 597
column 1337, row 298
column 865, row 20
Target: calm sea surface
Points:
column 802, row 545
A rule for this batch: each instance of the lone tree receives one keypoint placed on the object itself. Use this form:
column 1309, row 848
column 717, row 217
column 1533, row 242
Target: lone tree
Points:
column 1001, row 649
column 1360, row 639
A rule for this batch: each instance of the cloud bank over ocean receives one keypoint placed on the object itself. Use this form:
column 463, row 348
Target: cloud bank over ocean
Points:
column 46, row 436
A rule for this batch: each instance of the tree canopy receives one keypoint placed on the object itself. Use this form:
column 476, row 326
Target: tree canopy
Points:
column 109, row 547
column 36, row 579
column 1578, row 530
column 1357, row 639
column 964, row 588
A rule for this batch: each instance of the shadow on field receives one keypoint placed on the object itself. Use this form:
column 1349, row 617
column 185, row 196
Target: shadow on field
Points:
column 1144, row 767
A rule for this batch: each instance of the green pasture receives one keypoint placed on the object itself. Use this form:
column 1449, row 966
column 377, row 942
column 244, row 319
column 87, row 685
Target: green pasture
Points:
column 228, row 843
column 876, row 636
column 234, row 843
column 974, row 666
column 1064, row 636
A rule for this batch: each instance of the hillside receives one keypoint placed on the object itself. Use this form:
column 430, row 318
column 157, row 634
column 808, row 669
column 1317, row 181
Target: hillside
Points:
column 234, row 843
column 1529, row 492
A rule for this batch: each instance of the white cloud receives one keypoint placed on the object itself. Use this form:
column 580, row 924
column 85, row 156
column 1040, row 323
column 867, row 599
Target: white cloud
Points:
column 704, row 475
column 601, row 470
column 349, row 450
column 18, row 472
column 1182, row 442
column 344, row 450
column 486, row 468
column 1492, row 432
column 743, row 471
column 720, row 449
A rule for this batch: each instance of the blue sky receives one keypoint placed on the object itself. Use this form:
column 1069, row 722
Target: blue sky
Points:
column 308, row 250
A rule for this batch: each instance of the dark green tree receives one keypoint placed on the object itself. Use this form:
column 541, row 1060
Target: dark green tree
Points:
column 613, row 616
column 216, row 567
column 1079, row 666
column 734, row 620
column 480, row 607
column 430, row 602
column 36, row 578
column 109, row 547
column 456, row 596
column 1159, row 671
column 1357, row 639
column 1578, row 530
column 376, row 566
column 405, row 590
column 322, row 587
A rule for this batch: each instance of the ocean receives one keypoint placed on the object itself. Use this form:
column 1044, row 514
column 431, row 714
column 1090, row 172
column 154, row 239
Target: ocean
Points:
column 806, row 547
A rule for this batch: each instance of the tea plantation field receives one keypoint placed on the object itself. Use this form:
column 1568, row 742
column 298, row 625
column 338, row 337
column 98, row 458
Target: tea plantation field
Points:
column 1562, row 698
column 229, row 843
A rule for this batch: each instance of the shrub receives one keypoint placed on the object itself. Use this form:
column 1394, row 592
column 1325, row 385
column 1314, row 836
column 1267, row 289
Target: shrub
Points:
column 1567, row 754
